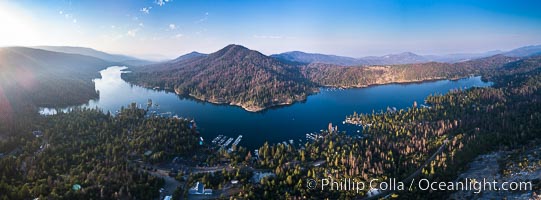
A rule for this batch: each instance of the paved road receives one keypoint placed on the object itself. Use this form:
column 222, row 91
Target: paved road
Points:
column 170, row 184
column 198, row 170
column 315, row 163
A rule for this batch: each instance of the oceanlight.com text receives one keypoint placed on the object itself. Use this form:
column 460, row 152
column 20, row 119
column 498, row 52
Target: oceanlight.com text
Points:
column 467, row 184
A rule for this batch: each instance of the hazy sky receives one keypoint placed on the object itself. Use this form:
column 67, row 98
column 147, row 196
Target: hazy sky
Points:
column 148, row 28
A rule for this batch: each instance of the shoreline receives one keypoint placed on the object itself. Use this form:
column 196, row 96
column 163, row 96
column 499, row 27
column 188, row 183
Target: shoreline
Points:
column 399, row 82
column 255, row 109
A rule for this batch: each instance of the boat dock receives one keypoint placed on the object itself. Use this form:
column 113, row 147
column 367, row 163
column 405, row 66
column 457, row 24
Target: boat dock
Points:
column 227, row 142
column 313, row 136
column 215, row 140
column 224, row 141
column 239, row 138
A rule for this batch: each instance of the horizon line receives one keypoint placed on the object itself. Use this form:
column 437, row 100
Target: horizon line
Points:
column 166, row 57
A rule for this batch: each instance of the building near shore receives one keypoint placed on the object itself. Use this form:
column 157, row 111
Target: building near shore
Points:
column 199, row 189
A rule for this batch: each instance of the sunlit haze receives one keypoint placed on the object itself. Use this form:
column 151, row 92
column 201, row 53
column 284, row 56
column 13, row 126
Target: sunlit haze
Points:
column 159, row 29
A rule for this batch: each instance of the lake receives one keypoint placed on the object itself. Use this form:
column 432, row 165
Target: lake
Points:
column 276, row 124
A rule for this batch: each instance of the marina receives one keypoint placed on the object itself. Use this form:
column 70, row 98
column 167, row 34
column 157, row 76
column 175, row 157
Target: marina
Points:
column 239, row 138
column 313, row 136
column 224, row 141
column 215, row 140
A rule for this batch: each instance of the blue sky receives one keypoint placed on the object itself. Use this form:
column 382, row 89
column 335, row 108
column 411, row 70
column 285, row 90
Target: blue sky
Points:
column 168, row 28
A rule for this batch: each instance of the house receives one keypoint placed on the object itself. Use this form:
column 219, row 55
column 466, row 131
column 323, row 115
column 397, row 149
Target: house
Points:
column 199, row 189
column 37, row 133
column 373, row 192
column 256, row 178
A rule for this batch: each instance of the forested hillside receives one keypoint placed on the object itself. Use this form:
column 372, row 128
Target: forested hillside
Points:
column 339, row 76
column 33, row 78
column 96, row 151
column 456, row 128
column 234, row 75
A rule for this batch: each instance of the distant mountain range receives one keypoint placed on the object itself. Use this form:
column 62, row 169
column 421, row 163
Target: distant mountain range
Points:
column 393, row 59
column 38, row 61
column 459, row 57
column 127, row 60
column 302, row 58
column 402, row 58
column 191, row 55
column 524, row 51
column 306, row 58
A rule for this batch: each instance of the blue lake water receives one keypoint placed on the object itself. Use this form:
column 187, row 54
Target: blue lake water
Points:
column 276, row 124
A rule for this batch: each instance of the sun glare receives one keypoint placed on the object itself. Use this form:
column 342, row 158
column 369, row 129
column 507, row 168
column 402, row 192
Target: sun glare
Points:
column 17, row 28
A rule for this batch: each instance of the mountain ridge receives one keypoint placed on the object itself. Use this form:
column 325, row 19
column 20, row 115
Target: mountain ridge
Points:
column 306, row 58
column 124, row 59
column 33, row 78
column 400, row 58
column 193, row 54
column 233, row 75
